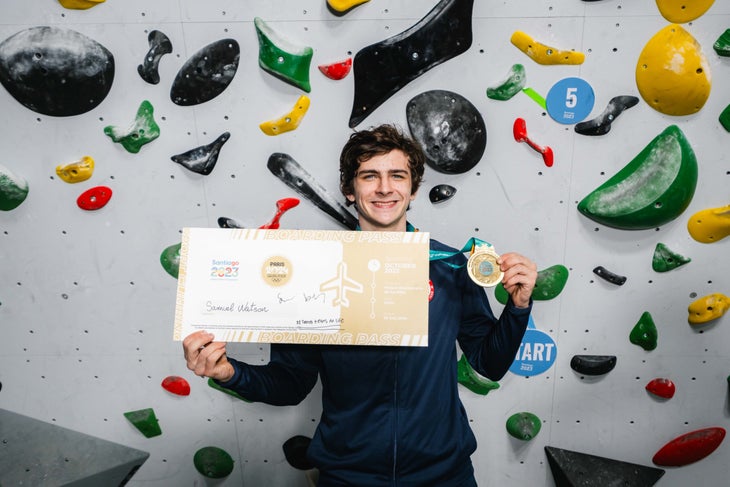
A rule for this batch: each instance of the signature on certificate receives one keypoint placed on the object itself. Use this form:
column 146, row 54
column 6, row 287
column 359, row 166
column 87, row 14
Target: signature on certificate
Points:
column 306, row 297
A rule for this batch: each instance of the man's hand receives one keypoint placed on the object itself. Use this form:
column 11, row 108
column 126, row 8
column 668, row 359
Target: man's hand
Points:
column 519, row 278
column 207, row 358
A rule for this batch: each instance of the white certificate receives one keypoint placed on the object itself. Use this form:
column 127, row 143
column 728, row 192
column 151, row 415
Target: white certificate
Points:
column 304, row 286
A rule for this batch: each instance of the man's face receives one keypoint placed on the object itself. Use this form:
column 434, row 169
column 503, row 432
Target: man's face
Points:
column 382, row 192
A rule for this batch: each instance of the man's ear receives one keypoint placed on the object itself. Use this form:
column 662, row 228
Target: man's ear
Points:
column 350, row 198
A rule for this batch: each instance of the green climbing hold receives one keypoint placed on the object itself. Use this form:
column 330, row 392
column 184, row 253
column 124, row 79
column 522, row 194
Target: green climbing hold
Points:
column 722, row 44
column 644, row 333
column 725, row 118
column 170, row 259
column 653, row 189
column 145, row 421
column 13, row 190
column 512, row 85
column 213, row 462
column 143, row 131
column 665, row 260
column 215, row 386
column 469, row 378
column 283, row 59
column 523, row 426
column 549, row 283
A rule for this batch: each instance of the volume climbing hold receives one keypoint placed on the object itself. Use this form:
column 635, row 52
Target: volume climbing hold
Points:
column 593, row 364
column 336, row 71
column 170, row 259
column 160, row 45
column 513, row 84
column 80, row 4
column 142, row 131
column 75, row 172
column 145, row 421
column 653, row 189
column 682, row 11
column 94, row 198
column 206, row 74
column 609, row 276
column 665, row 260
column 281, row 58
column 689, row 447
column 202, row 160
column 710, row 225
column 543, row 54
column 644, row 333
column 523, row 426
column 441, row 193
column 176, row 385
column 213, row 462
column 381, row 69
column 468, row 377
column 601, row 125
column 548, row 285
column 661, row 387
column 288, row 122
column 13, row 189
column 708, row 308
column 573, row 469
column 672, row 73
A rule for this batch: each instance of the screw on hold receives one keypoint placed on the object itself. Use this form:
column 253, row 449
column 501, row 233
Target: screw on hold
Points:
column 609, row 276
column 519, row 130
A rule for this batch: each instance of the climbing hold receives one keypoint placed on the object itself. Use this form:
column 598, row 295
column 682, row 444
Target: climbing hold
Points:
column 513, row 84
column 225, row 222
column 341, row 7
column 13, row 189
column 549, row 283
column 170, row 259
column 468, row 378
column 665, row 260
column 725, row 118
column 80, row 4
column 206, row 74
column 722, row 44
column 282, row 206
column 710, row 225
column 609, row 276
column 672, row 73
column 142, row 131
column 708, row 308
column 284, row 167
column 160, row 45
column 682, row 11
column 644, row 333
column 444, row 33
column 213, row 385
column 282, row 59
column 690, row 447
column 519, row 131
column 449, row 128
column 94, row 198
column 213, row 462
column 542, row 54
column 661, row 387
column 573, row 469
column 523, row 426
column 593, row 364
column 78, row 171
column 145, row 421
column 601, row 125
column 441, row 193
column 289, row 121
column 176, row 385
column 336, row 71
column 653, row 189
column 56, row 71
column 202, row 160
column 295, row 452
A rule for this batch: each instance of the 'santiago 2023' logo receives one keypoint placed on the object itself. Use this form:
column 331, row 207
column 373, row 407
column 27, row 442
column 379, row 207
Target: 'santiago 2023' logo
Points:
column 224, row 269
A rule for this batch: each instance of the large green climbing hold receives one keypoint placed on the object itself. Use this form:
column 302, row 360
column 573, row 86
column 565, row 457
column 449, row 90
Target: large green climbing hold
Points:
column 13, row 189
column 523, row 426
column 213, row 462
column 725, row 118
column 722, row 44
column 170, row 259
column 653, row 189
column 644, row 333
column 549, row 283
column 469, row 378
column 282, row 58
column 665, row 260
column 143, row 130
column 513, row 84
column 145, row 421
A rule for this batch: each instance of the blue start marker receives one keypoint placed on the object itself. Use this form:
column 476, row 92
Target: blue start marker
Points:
column 570, row 100
column 537, row 352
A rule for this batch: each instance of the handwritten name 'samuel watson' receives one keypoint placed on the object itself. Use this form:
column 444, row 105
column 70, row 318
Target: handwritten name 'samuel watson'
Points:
column 246, row 307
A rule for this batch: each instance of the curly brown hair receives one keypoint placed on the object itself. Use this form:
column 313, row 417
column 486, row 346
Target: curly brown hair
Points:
column 366, row 144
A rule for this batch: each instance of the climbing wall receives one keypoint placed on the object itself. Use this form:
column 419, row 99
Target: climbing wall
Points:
column 87, row 306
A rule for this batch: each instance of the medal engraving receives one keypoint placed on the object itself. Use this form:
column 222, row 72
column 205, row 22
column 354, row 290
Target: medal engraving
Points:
column 483, row 268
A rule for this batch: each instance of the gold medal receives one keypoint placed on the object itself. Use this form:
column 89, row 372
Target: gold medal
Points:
column 483, row 268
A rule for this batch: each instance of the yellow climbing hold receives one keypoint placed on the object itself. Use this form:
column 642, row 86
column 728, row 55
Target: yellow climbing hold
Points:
column 681, row 11
column 672, row 73
column 289, row 121
column 78, row 171
column 708, row 308
column 343, row 6
column 80, row 4
column 710, row 225
column 542, row 54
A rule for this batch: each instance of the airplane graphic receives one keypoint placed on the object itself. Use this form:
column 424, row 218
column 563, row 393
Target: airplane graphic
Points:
column 341, row 284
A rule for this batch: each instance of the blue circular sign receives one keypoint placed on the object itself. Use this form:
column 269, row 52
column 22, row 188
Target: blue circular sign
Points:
column 570, row 100
column 536, row 354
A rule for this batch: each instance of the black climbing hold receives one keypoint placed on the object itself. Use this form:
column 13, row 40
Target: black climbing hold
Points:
column 609, row 276
column 593, row 364
column 381, row 69
column 159, row 46
column 449, row 128
column 295, row 452
column 602, row 124
column 225, row 222
column 56, row 71
column 206, row 74
column 202, row 159
column 441, row 192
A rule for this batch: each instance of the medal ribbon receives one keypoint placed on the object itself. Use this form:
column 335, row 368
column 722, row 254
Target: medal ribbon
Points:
column 469, row 246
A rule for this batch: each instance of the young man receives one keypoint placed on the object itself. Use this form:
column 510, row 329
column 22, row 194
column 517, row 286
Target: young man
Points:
column 391, row 415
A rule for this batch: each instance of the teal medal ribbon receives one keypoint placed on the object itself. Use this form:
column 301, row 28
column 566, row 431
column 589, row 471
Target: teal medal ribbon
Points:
column 472, row 243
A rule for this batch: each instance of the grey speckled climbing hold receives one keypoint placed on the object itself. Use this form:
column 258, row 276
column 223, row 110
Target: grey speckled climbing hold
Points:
column 206, row 74
column 202, row 160
column 601, row 125
column 159, row 46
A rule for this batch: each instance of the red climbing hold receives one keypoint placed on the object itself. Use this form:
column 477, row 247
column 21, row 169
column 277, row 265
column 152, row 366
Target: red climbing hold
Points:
column 661, row 387
column 94, row 198
column 336, row 71
column 176, row 385
column 690, row 447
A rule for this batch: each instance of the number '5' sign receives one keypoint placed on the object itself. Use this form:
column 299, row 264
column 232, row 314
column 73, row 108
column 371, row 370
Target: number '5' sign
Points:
column 570, row 100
